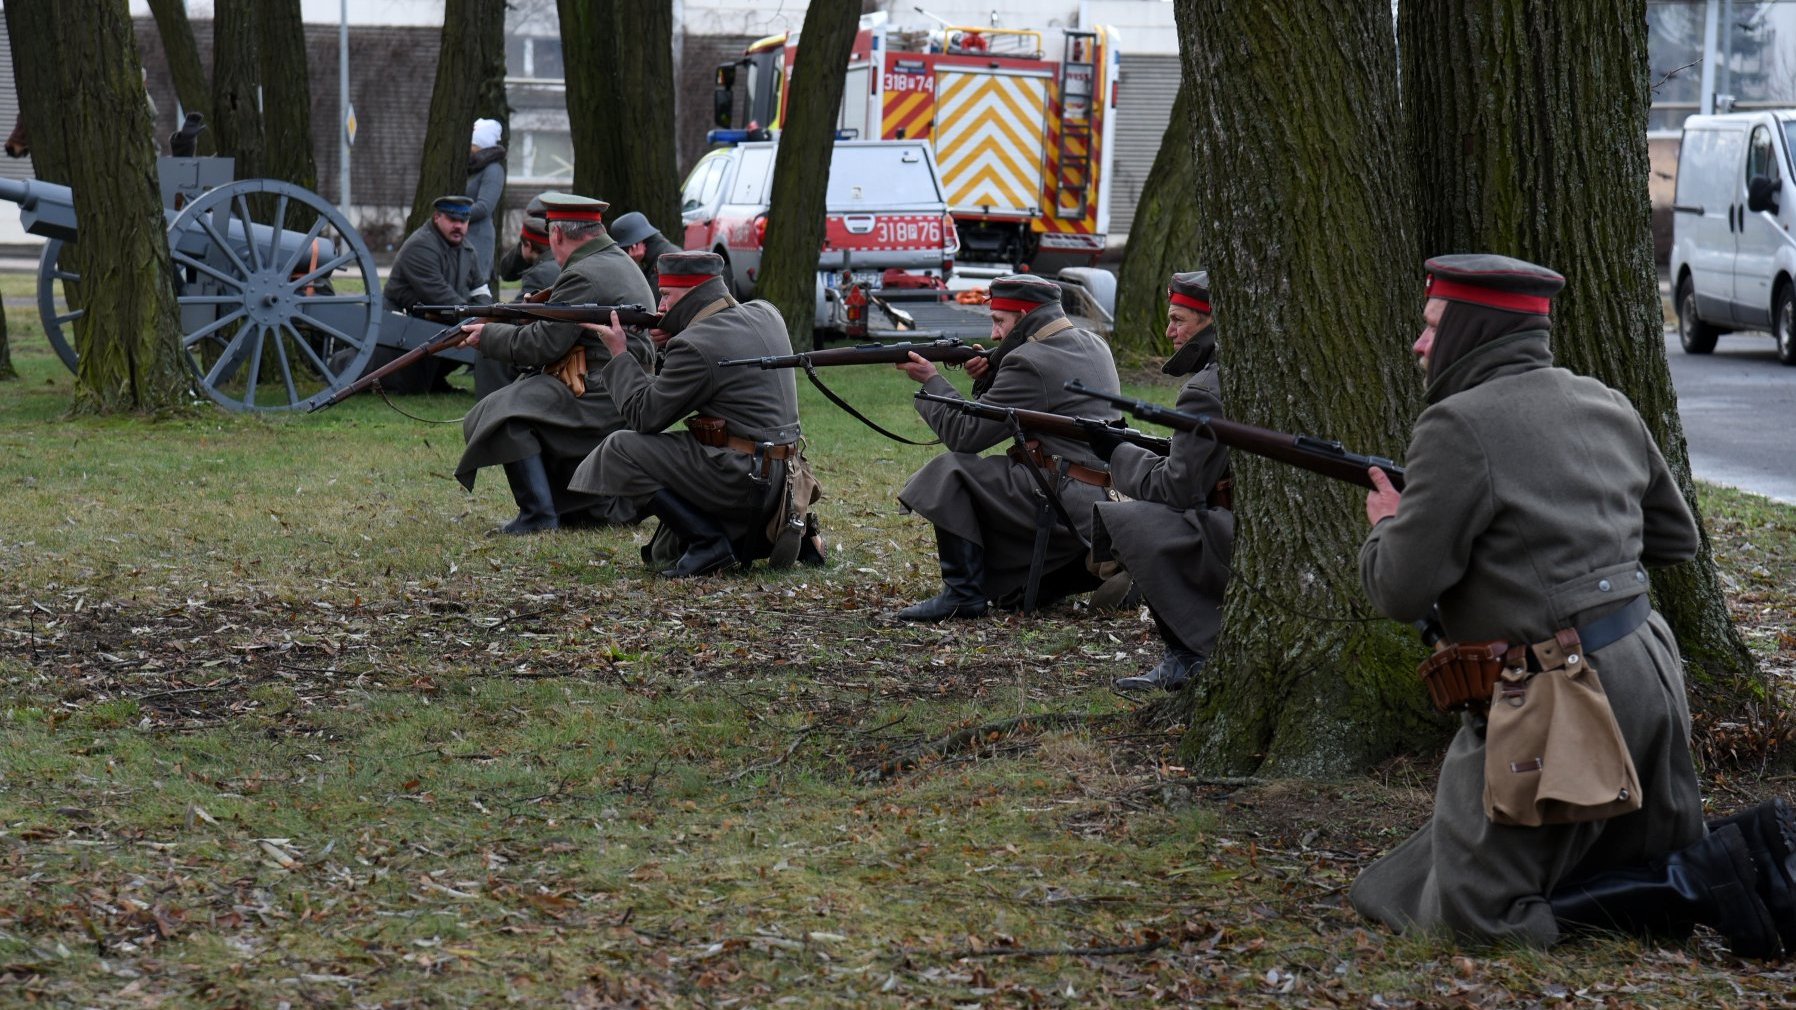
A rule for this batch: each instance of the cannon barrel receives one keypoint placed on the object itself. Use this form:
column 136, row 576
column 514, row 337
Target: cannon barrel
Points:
column 45, row 208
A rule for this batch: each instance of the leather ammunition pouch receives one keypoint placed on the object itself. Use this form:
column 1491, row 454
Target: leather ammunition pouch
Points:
column 1460, row 676
column 571, row 370
column 711, row 431
column 1053, row 465
column 714, row 432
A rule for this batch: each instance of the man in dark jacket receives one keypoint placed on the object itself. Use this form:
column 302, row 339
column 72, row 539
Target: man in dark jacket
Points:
column 714, row 486
column 1176, row 535
column 435, row 266
column 1535, row 501
column 540, row 427
column 645, row 245
column 985, row 509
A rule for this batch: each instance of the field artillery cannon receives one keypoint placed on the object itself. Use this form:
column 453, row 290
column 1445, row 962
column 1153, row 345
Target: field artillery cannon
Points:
column 267, row 320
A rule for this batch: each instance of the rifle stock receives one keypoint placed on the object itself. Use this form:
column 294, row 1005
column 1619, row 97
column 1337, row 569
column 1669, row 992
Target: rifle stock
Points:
column 952, row 351
column 1306, row 452
column 1062, row 425
column 566, row 312
column 445, row 339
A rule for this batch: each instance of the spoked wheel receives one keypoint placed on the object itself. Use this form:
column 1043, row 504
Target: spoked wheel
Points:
column 262, row 321
column 56, row 301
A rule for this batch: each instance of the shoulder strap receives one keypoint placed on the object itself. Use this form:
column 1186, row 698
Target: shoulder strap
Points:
column 810, row 372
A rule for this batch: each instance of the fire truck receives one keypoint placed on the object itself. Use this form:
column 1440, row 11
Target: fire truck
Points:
column 1021, row 123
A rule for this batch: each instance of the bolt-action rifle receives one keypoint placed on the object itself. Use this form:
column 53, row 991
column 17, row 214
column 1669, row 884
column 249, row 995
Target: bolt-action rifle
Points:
column 566, row 312
column 1306, row 452
column 951, row 351
column 1063, row 425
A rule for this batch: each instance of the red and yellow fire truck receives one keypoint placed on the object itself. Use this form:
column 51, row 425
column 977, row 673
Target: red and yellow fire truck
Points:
column 1020, row 122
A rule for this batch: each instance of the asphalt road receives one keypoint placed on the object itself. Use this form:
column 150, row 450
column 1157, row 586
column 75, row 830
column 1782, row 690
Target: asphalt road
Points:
column 1738, row 405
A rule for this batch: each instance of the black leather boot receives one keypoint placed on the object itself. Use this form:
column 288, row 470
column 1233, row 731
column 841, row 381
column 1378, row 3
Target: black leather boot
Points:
column 530, row 488
column 1711, row 883
column 1770, row 833
column 708, row 547
column 963, row 582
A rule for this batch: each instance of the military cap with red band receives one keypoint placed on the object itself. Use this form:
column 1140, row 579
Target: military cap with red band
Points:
column 1192, row 290
column 1023, row 293
column 1496, row 282
column 535, row 230
column 687, row 269
column 568, row 207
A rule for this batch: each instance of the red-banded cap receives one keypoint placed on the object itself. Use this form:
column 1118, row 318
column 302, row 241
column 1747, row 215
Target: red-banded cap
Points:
column 687, row 269
column 1191, row 290
column 1023, row 293
column 1497, row 282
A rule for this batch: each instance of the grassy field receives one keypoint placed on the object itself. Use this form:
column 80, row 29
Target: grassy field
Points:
column 280, row 725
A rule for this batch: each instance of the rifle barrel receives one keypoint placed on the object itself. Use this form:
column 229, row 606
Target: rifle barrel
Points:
column 951, row 350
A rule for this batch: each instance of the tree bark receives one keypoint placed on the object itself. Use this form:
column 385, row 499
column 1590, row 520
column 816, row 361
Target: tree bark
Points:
column 236, row 86
column 184, row 64
column 1312, row 257
column 796, row 206
column 286, row 95
column 470, row 58
column 83, row 94
column 1164, row 241
column 1552, row 167
column 619, row 65
column 7, row 371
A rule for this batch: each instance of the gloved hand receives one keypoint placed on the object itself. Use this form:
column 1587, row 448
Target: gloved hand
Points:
column 1104, row 441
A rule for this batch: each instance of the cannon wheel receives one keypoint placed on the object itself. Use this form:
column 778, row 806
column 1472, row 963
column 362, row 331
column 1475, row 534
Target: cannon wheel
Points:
column 53, row 310
column 261, row 323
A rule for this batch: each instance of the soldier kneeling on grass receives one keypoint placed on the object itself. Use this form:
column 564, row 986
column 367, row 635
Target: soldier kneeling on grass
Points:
column 734, row 486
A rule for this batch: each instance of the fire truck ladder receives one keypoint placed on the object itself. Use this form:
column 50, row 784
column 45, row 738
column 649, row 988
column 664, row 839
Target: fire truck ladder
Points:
column 1078, row 73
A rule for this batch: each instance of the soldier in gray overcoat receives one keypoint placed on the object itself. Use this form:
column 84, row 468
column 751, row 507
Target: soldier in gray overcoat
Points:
column 985, row 508
column 1176, row 536
column 1536, row 499
column 530, row 263
column 711, row 485
column 539, row 428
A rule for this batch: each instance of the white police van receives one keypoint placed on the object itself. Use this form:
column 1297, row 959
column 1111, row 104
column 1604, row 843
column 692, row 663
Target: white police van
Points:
column 1733, row 258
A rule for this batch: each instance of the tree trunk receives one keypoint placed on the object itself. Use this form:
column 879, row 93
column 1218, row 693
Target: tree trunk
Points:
column 796, row 206
column 7, row 371
column 1312, row 258
column 1164, row 241
column 82, row 94
column 286, row 96
column 473, row 44
column 1552, row 168
column 184, row 63
column 619, row 65
column 236, row 86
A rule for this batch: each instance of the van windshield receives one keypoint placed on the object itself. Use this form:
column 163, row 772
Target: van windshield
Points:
column 1790, row 136
column 891, row 177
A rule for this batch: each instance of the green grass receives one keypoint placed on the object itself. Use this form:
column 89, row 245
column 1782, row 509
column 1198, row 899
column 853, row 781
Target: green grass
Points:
column 280, row 723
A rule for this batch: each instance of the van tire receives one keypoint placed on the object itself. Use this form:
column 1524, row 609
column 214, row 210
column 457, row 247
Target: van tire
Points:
column 1697, row 336
column 1783, row 322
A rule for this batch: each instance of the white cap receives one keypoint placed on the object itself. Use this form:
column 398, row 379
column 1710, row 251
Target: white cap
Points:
column 486, row 133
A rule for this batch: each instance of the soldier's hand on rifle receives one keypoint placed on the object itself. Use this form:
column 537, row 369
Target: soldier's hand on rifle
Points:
column 1381, row 503
column 612, row 335
column 1104, row 441
column 919, row 369
column 977, row 367
column 473, row 334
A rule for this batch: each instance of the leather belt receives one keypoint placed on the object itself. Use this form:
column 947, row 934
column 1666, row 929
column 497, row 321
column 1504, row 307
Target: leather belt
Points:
column 1077, row 471
column 750, row 447
column 1611, row 628
column 1464, row 675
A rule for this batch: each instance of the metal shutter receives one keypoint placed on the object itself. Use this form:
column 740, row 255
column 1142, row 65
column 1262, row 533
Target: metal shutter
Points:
column 1146, row 88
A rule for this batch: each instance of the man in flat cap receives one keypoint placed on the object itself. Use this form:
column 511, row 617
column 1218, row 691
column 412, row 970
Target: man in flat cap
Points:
column 435, row 266
column 1535, row 501
column 1176, row 534
column 644, row 244
column 540, row 427
column 720, row 488
column 985, row 508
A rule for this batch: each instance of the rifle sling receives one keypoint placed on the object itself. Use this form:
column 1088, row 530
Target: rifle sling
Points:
column 810, row 372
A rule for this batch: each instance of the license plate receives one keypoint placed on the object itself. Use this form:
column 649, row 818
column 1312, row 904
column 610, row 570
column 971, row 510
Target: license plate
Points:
column 865, row 278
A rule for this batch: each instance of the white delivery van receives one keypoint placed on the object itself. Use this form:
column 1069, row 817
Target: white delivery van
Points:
column 1733, row 258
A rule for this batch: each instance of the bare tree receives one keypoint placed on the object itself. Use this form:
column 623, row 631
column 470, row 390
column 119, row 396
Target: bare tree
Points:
column 83, row 87
column 1164, row 239
column 1312, row 258
column 286, row 94
column 236, row 85
column 470, row 59
column 1552, row 167
column 796, row 207
column 619, row 63
column 184, row 64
